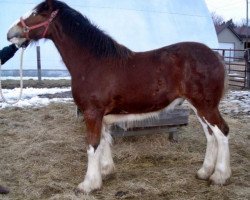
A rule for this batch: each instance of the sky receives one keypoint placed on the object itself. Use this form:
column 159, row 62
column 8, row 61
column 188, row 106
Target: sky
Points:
column 229, row 9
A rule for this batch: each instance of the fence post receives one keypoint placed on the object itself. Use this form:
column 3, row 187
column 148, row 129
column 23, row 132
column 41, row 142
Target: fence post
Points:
column 229, row 61
column 247, row 57
column 39, row 72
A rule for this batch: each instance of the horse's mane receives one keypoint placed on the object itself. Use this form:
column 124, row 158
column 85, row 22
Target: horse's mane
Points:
column 84, row 33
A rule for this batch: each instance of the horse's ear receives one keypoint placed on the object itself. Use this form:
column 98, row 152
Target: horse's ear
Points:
column 49, row 3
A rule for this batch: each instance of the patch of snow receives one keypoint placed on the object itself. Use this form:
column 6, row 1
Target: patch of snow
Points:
column 236, row 102
column 30, row 97
column 233, row 74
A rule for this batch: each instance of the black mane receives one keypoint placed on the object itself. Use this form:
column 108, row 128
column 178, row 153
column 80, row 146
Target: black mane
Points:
column 84, row 33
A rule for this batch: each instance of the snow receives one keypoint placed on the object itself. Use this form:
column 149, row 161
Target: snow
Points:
column 233, row 103
column 31, row 98
column 236, row 102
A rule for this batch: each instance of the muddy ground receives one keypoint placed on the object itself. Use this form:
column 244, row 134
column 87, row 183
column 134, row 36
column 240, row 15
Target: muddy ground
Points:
column 43, row 156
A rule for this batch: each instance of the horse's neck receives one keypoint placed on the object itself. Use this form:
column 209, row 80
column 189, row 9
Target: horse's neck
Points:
column 78, row 58
column 73, row 56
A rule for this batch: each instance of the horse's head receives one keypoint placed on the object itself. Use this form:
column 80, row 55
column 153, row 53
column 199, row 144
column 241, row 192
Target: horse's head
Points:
column 33, row 26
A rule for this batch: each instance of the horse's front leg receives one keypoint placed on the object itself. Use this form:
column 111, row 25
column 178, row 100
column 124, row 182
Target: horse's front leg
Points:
column 93, row 178
column 107, row 163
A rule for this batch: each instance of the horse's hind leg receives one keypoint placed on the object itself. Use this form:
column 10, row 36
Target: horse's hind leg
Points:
column 222, row 170
column 217, row 153
column 211, row 153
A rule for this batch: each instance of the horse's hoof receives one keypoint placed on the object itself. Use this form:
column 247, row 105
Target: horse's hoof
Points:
column 197, row 176
column 109, row 176
column 108, row 171
column 218, row 179
column 203, row 174
column 89, row 185
column 83, row 188
column 224, row 183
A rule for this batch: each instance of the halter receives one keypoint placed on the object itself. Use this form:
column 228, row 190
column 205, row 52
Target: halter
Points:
column 27, row 29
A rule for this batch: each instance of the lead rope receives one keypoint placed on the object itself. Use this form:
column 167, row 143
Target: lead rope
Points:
column 21, row 81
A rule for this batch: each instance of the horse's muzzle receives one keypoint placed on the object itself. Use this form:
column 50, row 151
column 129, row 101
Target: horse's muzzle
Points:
column 15, row 35
column 14, row 32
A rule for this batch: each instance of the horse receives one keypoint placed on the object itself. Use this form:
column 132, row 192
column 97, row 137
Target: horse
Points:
column 111, row 83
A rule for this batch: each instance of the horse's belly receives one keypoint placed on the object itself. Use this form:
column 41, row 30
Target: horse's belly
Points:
column 117, row 118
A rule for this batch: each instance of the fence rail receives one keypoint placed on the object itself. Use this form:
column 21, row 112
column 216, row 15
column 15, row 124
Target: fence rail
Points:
column 236, row 65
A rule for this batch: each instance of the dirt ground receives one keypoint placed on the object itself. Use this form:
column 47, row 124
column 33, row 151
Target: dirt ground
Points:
column 43, row 156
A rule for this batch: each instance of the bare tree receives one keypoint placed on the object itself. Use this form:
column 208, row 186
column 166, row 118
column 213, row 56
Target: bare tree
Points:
column 242, row 23
column 217, row 19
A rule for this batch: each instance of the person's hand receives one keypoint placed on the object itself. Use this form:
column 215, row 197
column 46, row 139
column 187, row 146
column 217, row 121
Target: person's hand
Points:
column 20, row 42
column 25, row 44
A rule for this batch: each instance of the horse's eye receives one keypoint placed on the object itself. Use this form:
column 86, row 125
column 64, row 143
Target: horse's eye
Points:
column 34, row 14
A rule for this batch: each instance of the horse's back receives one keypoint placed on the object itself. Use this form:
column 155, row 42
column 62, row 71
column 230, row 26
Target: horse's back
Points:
column 187, row 69
column 180, row 62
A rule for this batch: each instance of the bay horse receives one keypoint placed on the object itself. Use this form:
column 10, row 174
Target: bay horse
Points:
column 112, row 83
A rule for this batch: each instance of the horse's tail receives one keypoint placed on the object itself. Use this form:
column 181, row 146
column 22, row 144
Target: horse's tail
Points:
column 226, row 78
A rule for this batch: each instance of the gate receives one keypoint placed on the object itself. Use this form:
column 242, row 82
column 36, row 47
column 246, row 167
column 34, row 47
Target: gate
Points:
column 236, row 66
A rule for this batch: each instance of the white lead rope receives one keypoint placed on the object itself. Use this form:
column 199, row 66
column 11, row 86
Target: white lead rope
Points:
column 21, row 81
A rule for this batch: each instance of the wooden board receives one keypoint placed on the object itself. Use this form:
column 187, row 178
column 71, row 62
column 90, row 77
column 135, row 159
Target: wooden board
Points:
column 168, row 121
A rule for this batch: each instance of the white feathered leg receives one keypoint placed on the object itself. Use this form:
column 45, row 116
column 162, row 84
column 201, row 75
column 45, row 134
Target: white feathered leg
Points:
column 211, row 151
column 222, row 170
column 93, row 178
column 107, row 163
column 211, row 154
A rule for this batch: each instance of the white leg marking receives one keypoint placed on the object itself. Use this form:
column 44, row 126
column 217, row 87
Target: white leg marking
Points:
column 107, row 163
column 211, row 154
column 93, row 178
column 211, row 151
column 222, row 170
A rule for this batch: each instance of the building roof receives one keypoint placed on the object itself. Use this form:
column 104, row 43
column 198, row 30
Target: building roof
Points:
column 221, row 27
column 239, row 32
column 243, row 31
column 229, row 25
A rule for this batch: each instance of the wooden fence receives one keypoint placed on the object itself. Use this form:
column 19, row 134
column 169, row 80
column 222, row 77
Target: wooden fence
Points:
column 237, row 67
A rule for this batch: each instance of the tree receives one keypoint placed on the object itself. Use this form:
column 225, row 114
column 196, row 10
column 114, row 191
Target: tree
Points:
column 242, row 23
column 217, row 19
